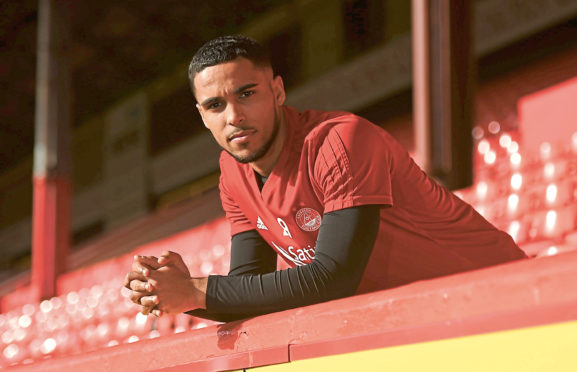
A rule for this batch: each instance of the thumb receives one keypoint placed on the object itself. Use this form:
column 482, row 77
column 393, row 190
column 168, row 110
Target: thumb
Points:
column 169, row 258
column 145, row 261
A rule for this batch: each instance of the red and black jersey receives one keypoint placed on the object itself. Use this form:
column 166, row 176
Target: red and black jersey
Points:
column 336, row 160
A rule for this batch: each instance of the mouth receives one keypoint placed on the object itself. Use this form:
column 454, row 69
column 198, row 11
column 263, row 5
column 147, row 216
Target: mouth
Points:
column 240, row 136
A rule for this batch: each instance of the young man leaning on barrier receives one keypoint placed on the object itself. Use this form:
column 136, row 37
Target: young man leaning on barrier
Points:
column 331, row 193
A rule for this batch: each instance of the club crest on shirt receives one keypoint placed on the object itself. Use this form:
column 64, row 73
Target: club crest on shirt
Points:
column 308, row 219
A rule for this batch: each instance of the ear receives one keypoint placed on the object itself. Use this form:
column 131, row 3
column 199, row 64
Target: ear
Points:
column 201, row 112
column 278, row 90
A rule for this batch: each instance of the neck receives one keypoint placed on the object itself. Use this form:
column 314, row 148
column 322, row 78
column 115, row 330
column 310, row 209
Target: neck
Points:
column 264, row 165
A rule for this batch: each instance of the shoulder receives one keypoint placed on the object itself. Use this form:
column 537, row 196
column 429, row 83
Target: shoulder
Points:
column 226, row 159
column 345, row 127
column 315, row 121
column 317, row 132
column 229, row 167
column 228, row 163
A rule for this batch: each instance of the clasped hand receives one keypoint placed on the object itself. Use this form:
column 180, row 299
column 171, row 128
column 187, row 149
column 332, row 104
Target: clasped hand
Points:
column 163, row 285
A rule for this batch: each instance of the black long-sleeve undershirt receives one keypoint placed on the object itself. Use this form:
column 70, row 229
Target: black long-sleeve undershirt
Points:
column 253, row 287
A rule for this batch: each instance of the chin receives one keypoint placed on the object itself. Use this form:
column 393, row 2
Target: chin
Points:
column 245, row 159
column 244, row 156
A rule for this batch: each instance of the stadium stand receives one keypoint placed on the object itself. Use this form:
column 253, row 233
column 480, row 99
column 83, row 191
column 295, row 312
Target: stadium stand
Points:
column 525, row 187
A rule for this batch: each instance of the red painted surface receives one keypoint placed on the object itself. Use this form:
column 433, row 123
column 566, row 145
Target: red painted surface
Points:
column 446, row 329
column 249, row 359
column 50, row 241
column 519, row 294
column 549, row 115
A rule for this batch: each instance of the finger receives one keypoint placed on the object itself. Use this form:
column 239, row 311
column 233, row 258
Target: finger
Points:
column 128, row 278
column 133, row 275
column 167, row 257
column 141, row 286
column 136, row 297
column 127, row 281
column 145, row 310
column 150, row 261
column 170, row 258
column 152, row 278
column 150, row 301
column 141, row 268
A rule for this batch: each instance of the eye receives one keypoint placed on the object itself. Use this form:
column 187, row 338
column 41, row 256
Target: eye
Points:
column 247, row 93
column 214, row 105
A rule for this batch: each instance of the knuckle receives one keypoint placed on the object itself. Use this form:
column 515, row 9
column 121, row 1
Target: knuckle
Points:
column 135, row 297
column 134, row 285
column 145, row 301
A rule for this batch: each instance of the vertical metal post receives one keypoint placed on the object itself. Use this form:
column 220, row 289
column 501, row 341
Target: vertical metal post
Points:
column 421, row 82
column 51, row 214
column 444, row 73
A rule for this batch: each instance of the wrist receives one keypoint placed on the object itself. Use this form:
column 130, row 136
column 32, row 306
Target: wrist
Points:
column 199, row 286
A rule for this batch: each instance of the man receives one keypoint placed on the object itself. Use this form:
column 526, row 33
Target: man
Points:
column 331, row 193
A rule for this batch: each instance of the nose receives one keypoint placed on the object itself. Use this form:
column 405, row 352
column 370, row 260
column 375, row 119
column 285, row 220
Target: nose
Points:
column 234, row 115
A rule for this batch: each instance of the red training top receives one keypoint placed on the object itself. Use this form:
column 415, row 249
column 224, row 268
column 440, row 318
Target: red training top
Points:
column 337, row 160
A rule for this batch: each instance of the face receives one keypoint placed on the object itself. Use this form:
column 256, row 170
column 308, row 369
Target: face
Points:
column 240, row 104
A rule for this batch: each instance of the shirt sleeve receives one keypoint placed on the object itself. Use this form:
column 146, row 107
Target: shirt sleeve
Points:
column 345, row 241
column 354, row 165
column 238, row 221
column 249, row 255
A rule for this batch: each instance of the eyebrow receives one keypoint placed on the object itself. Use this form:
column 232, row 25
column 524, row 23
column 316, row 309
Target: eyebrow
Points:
column 237, row 90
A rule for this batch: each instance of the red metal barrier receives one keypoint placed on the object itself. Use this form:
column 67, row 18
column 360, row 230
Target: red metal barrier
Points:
column 514, row 295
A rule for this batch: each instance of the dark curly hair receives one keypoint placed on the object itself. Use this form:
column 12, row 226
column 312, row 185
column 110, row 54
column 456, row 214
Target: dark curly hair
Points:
column 225, row 49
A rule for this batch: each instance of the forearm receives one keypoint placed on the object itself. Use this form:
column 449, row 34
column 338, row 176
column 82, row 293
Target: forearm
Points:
column 238, row 297
column 277, row 291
